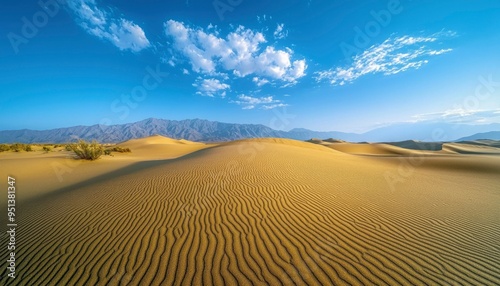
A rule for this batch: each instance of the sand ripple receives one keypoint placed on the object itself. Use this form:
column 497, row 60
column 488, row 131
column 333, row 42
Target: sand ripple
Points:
column 264, row 212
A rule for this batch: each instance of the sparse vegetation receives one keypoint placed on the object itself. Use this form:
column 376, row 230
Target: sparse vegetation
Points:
column 83, row 149
column 88, row 151
column 4, row 147
column 120, row 149
column 18, row 147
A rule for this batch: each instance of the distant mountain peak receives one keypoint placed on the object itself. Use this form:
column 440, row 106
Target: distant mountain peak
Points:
column 491, row 135
column 211, row 131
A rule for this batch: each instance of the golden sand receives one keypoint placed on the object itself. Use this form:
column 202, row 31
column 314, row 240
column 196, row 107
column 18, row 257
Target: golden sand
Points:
column 260, row 212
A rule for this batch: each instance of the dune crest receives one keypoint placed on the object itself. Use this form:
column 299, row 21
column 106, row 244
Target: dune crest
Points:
column 279, row 141
column 155, row 139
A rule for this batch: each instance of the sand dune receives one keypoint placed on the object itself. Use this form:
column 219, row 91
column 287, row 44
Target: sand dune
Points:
column 418, row 145
column 45, row 172
column 269, row 211
column 462, row 148
column 411, row 148
column 390, row 149
column 160, row 147
column 370, row 149
column 156, row 140
column 483, row 142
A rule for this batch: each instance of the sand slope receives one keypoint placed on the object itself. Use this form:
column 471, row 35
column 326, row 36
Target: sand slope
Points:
column 370, row 149
column 411, row 148
column 160, row 147
column 260, row 212
column 463, row 148
column 43, row 172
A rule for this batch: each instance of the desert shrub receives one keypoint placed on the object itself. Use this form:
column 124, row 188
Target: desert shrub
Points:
column 88, row 151
column 67, row 147
column 120, row 149
column 17, row 147
column 4, row 147
column 47, row 148
column 116, row 149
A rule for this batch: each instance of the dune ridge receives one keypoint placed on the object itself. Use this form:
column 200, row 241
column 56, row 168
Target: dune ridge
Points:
column 267, row 211
column 411, row 147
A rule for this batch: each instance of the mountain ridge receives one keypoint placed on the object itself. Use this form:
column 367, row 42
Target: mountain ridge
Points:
column 202, row 130
column 492, row 135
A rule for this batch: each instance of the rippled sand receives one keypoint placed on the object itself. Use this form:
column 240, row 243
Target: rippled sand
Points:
column 259, row 212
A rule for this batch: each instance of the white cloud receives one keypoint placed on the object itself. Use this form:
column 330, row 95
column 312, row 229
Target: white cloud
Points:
column 280, row 32
column 260, row 81
column 211, row 87
column 393, row 56
column 242, row 53
column 460, row 115
column 442, row 51
column 170, row 61
column 272, row 106
column 263, row 18
column 267, row 102
column 122, row 33
column 185, row 71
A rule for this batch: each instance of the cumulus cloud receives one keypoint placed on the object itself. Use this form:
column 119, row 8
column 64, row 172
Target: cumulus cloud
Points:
column 394, row 55
column 211, row 87
column 104, row 24
column 267, row 102
column 242, row 52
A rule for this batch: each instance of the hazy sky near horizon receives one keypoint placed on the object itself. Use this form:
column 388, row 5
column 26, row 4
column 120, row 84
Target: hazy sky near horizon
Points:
column 322, row 65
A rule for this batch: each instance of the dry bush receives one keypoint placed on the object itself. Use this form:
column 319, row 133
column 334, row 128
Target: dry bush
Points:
column 88, row 151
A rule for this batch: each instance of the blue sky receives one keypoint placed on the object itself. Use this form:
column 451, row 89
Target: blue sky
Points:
column 322, row 65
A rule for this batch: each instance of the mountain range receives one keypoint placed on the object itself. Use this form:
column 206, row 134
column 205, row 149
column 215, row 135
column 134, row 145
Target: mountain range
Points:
column 213, row 131
column 492, row 135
